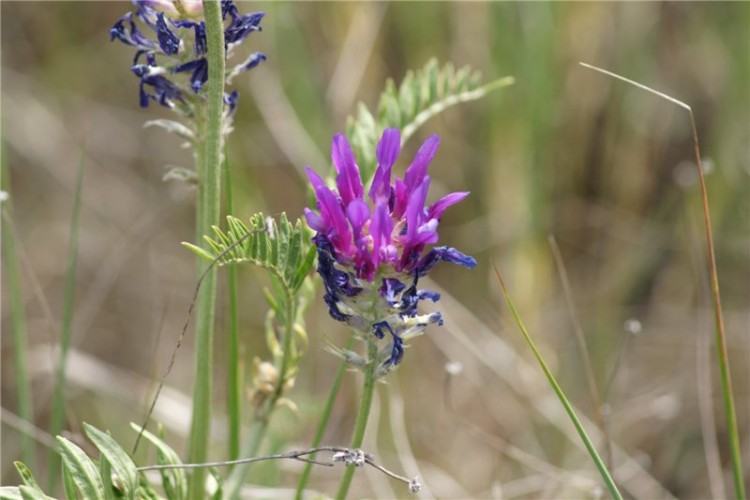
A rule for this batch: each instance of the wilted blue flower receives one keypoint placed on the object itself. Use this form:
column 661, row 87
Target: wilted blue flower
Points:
column 371, row 253
column 176, row 45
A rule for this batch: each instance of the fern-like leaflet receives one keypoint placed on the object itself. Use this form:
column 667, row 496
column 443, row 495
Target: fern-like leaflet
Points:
column 421, row 95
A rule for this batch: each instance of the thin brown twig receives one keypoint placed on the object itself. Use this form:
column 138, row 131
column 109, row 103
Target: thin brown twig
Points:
column 582, row 349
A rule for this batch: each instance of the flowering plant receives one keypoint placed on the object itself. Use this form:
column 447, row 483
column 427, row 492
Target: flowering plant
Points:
column 179, row 47
column 371, row 254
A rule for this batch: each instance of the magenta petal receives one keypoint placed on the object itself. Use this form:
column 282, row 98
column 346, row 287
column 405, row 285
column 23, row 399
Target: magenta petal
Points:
column 333, row 215
column 401, row 198
column 415, row 210
column 348, row 180
column 418, row 168
column 381, row 228
column 358, row 213
column 314, row 178
column 387, row 153
column 315, row 221
column 436, row 209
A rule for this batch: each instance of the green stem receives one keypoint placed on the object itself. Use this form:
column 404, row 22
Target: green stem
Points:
column 362, row 415
column 603, row 471
column 263, row 414
column 18, row 321
column 57, row 419
column 208, row 158
column 324, row 418
column 234, row 382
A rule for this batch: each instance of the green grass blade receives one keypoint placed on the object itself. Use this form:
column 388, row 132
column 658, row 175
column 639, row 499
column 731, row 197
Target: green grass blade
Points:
column 606, row 476
column 57, row 420
column 12, row 272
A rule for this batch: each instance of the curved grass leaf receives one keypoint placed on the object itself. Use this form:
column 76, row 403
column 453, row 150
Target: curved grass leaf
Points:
column 121, row 464
column 422, row 94
column 82, row 470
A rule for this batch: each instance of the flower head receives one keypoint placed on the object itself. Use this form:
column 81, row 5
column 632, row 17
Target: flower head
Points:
column 372, row 248
column 176, row 46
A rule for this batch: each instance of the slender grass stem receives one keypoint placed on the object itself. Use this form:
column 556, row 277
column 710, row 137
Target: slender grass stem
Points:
column 234, row 376
column 263, row 414
column 208, row 157
column 57, row 420
column 24, row 392
column 324, row 418
column 363, row 415
column 603, row 471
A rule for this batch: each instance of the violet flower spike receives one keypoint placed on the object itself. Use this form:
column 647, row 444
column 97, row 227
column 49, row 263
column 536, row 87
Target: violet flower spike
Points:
column 371, row 248
column 178, row 40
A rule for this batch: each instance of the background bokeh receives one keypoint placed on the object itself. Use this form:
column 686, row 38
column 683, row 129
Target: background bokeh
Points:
column 606, row 169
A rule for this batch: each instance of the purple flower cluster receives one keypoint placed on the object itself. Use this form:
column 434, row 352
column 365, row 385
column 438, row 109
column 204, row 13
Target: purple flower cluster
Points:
column 178, row 45
column 371, row 248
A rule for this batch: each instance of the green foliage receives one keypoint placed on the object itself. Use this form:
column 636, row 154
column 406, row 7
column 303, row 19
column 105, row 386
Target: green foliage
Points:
column 282, row 248
column 123, row 479
column 10, row 493
column 421, row 95
column 81, row 469
column 174, row 481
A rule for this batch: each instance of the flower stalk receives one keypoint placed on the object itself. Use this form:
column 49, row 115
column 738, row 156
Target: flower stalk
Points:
column 208, row 157
column 372, row 251
column 363, row 415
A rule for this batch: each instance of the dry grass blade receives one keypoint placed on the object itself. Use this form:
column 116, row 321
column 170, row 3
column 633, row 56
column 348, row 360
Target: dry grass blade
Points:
column 721, row 343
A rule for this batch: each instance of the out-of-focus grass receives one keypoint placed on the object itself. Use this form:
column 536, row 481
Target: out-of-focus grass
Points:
column 562, row 152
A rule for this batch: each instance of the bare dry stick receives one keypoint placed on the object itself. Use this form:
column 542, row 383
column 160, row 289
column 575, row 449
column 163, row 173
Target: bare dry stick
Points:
column 721, row 343
column 347, row 456
column 583, row 350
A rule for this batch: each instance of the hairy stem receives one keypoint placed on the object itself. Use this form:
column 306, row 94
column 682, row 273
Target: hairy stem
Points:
column 208, row 158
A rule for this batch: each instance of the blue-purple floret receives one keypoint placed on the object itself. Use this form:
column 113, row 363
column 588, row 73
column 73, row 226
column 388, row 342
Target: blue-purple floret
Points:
column 375, row 243
column 170, row 36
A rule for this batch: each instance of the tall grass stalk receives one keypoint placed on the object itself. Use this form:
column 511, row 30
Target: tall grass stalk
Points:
column 323, row 423
column 234, row 375
column 208, row 157
column 727, row 394
column 57, row 420
column 603, row 471
column 12, row 270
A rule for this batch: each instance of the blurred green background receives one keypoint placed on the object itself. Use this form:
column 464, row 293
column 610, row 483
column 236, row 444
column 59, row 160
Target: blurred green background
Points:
column 606, row 169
